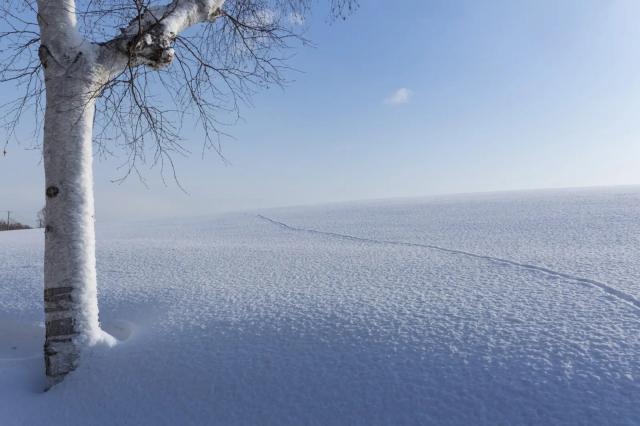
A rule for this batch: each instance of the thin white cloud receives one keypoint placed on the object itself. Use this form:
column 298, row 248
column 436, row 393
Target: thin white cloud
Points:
column 400, row 96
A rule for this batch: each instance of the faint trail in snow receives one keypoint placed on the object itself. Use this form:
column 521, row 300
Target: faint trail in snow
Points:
column 621, row 295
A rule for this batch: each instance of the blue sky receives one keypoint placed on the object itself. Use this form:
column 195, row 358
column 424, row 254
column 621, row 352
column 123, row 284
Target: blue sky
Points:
column 409, row 99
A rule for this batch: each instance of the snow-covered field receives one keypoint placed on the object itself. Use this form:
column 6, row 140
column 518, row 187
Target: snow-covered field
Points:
column 494, row 309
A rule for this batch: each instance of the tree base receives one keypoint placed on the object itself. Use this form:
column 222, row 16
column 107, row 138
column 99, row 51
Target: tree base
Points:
column 60, row 358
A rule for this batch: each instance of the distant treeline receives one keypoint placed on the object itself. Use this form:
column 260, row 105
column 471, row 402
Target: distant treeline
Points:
column 11, row 226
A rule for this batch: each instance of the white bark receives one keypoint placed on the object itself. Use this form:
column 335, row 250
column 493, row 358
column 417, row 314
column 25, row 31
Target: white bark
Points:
column 149, row 40
column 70, row 292
column 71, row 306
column 74, row 72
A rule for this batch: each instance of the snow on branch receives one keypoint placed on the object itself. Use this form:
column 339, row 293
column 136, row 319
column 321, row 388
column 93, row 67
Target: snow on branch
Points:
column 149, row 37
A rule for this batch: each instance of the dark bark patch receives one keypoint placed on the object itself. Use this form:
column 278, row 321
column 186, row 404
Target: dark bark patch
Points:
column 42, row 54
column 56, row 291
column 60, row 339
column 52, row 192
column 58, row 299
column 77, row 58
column 61, row 327
column 58, row 364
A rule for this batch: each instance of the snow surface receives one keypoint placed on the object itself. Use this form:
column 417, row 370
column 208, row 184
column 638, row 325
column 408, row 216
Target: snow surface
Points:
column 511, row 308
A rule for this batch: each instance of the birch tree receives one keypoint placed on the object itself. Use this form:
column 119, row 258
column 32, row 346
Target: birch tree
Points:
column 121, row 76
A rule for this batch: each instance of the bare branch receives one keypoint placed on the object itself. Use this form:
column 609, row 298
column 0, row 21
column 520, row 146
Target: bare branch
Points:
column 193, row 62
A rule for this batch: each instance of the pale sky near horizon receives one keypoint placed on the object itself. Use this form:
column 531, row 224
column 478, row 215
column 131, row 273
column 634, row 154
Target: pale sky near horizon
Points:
column 410, row 99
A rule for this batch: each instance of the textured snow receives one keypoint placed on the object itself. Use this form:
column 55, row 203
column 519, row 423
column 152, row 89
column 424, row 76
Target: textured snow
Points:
column 512, row 308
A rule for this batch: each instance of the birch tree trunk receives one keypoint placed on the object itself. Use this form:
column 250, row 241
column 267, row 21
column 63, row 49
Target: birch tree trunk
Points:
column 70, row 293
column 70, row 268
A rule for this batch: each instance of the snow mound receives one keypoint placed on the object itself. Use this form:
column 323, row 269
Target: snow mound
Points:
column 119, row 329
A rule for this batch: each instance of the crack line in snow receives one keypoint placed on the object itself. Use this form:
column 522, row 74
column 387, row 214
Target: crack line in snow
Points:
column 620, row 295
